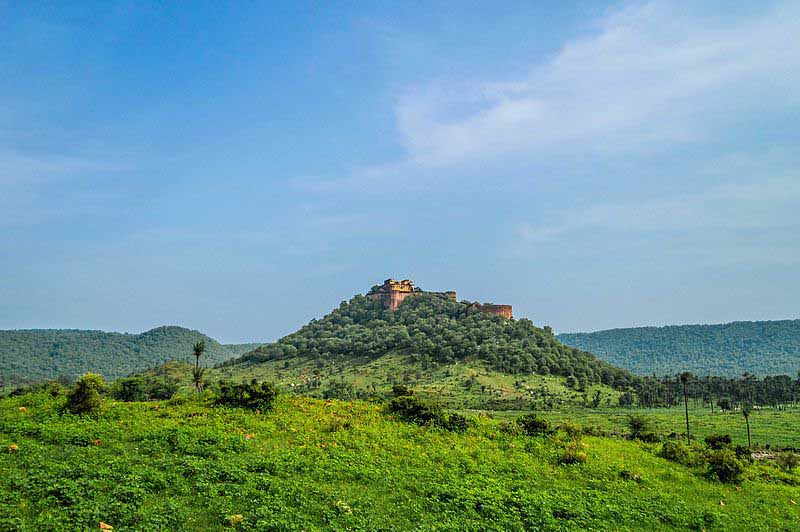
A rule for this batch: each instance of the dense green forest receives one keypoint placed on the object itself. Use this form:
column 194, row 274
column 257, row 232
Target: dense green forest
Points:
column 758, row 347
column 31, row 355
column 436, row 330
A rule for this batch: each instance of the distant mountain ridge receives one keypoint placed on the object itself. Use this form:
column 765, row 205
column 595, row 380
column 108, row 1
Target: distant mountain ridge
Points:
column 730, row 349
column 28, row 355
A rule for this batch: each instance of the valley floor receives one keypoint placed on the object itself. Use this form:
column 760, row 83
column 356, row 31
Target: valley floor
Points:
column 328, row 465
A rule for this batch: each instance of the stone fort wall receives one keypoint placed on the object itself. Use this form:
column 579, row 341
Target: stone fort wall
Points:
column 393, row 292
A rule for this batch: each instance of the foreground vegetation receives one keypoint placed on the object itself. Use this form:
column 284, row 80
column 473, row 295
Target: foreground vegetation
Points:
column 32, row 355
column 758, row 347
column 191, row 463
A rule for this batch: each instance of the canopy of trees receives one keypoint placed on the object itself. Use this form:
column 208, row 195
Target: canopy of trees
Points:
column 758, row 347
column 777, row 391
column 32, row 355
column 438, row 330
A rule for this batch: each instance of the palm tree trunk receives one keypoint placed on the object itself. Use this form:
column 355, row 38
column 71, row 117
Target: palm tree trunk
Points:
column 747, row 421
column 686, row 410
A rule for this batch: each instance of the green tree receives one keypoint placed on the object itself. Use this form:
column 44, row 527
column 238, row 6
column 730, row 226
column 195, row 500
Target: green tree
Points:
column 747, row 408
column 685, row 376
column 197, row 372
column 84, row 398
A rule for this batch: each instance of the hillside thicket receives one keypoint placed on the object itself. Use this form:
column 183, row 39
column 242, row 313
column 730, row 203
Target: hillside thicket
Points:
column 438, row 331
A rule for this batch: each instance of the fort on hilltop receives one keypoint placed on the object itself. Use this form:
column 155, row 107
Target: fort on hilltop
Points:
column 391, row 293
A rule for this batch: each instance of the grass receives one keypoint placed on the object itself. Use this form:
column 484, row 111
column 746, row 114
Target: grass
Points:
column 471, row 385
column 775, row 428
column 330, row 465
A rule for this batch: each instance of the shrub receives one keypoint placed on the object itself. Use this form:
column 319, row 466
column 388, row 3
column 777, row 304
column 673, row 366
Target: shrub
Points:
column 254, row 396
column 718, row 441
column 533, row 426
column 574, row 453
column 339, row 390
column 400, row 390
column 128, row 390
column 724, row 465
column 788, row 461
column 144, row 388
column 84, row 398
column 513, row 429
column 457, row 423
column 677, row 452
column 743, row 452
column 641, row 428
column 573, row 430
column 413, row 409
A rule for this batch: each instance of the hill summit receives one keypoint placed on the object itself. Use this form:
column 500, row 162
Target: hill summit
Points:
column 433, row 328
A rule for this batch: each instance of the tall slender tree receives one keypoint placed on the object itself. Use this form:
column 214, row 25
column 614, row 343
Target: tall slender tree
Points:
column 685, row 376
column 747, row 408
column 197, row 372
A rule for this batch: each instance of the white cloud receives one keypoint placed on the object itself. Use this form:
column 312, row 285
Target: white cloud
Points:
column 17, row 169
column 726, row 209
column 649, row 73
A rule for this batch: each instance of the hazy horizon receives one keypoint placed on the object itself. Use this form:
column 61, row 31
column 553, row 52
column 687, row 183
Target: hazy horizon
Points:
column 241, row 169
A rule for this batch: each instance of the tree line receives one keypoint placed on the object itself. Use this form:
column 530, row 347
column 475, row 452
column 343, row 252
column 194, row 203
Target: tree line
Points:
column 714, row 392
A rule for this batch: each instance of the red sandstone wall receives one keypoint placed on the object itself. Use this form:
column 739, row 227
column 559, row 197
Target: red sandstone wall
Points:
column 500, row 310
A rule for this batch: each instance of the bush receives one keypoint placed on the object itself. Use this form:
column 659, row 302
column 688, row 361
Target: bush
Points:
column 53, row 387
column 718, row 441
column 339, row 390
column 533, row 426
column 400, row 390
column 414, row 410
column 743, row 452
column 788, row 461
column 573, row 430
column 457, row 423
column 574, row 453
column 254, row 396
column 84, row 398
column 677, row 452
column 724, row 465
column 144, row 388
column 641, row 428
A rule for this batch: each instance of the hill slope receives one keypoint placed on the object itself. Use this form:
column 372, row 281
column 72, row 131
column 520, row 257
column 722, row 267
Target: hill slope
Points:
column 30, row 355
column 433, row 343
column 330, row 465
column 758, row 347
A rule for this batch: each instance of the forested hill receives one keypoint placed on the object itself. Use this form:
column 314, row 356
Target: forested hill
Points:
column 30, row 355
column 759, row 347
column 435, row 330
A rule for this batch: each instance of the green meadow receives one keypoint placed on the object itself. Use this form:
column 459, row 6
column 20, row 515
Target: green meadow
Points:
column 314, row 464
column 768, row 426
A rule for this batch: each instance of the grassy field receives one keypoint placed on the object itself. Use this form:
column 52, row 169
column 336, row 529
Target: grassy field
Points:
column 776, row 428
column 472, row 385
column 329, row 465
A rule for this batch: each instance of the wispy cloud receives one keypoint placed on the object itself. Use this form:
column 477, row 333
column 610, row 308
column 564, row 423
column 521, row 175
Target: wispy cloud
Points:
column 731, row 207
column 17, row 169
column 26, row 181
column 649, row 73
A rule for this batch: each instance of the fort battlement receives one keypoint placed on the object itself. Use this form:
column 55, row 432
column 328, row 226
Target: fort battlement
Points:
column 391, row 293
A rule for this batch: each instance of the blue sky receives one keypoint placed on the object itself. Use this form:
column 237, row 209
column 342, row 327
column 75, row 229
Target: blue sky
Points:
column 240, row 169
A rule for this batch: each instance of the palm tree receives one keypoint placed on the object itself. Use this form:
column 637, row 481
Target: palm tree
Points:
column 685, row 376
column 746, row 409
column 197, row 372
